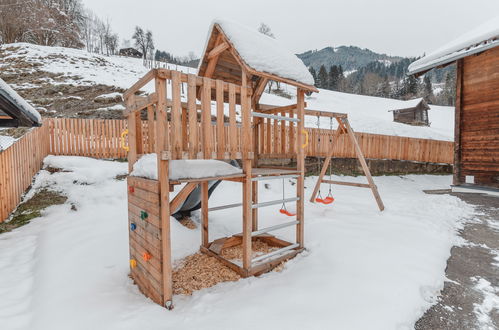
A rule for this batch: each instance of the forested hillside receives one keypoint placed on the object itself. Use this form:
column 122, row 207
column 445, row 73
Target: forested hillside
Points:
column 361, row 71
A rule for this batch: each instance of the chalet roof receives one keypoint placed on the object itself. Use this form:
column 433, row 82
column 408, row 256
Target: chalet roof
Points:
column 17, row 108
column 410, row 104
column 481, row 38
column 237, row 47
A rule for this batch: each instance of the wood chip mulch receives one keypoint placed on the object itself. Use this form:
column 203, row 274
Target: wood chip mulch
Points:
column 199, row 271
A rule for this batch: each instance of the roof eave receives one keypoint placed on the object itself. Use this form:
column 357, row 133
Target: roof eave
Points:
column 446, row 60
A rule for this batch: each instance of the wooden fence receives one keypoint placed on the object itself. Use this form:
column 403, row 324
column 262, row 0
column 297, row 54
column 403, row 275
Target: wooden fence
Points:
column 18, row 164
column 100, row 138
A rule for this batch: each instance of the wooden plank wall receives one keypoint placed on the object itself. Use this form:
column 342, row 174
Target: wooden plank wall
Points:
column 478, row 123
column 18, row 164
column 143, row 196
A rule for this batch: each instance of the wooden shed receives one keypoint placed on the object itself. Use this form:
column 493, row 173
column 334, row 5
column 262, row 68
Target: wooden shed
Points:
column 476, row 156
column 14, row 110
column 414, row 112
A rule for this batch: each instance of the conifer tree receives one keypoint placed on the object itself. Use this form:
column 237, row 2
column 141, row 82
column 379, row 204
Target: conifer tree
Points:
column 322, row 77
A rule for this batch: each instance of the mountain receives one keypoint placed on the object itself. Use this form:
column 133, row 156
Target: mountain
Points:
column 349, row 57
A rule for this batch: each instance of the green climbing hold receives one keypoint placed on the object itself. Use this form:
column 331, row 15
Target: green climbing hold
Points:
column 143, row 215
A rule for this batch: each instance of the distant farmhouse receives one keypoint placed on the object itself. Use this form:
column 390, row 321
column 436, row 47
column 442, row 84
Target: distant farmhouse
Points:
column 476, row 153
column 14, row 110
column 414, row 112
column 130, row 52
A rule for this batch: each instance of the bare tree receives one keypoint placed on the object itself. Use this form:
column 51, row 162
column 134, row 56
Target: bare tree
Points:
column 143, row 41
column 265, row 29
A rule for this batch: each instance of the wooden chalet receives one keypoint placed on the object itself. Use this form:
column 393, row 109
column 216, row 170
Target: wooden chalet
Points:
column 180, row 127
column 414, row 112
column 476, row 155
column 14, row 110
column 130, row 52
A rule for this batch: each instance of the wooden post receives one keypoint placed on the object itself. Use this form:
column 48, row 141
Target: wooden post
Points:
column 300, row 158
column 363, row 163
column 247, row 164
column 326, row 164
column 164, row 186
column 456, row 179
column 204, row 214
column 150, row 128
column 254, row 199
column 132, row 152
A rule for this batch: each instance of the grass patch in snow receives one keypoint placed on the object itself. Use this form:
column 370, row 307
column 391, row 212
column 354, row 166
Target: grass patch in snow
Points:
column 32, row 208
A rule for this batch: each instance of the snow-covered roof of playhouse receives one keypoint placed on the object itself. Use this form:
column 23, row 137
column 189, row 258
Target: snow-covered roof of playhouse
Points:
column 261, row 52
column 481, row 38
column 16, row 107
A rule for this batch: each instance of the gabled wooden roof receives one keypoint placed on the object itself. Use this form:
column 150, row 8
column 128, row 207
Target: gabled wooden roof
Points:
column 222, row 60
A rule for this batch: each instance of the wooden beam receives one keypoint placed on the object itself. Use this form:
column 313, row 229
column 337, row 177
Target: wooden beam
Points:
column 9, row 123
column 218, row 50
column 204, row 214
column 458, row 115
column 138, row 103
column 260, row 87
column 363, row 163
column 164, row 189
column 344, row 183
column 212, row 62
column 300, row 160
column 325, row 114
column 141, row 83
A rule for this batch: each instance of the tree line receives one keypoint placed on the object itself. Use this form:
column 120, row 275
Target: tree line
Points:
column 391, row 81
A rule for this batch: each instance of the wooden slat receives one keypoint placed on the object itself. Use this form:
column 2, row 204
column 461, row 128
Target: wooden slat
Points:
column 206, row 119
column 176, row 124
column 220, row 120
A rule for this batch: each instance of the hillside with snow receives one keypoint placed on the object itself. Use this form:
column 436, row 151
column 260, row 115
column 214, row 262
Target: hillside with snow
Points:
column 66, row 82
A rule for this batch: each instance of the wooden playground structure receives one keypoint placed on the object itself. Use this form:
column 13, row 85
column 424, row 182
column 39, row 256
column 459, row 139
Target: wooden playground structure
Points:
column 181, row 127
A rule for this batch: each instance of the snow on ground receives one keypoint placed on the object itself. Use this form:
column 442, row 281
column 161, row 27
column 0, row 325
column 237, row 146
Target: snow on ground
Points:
column 363, row 269
column 6, row 141
column 367, row 113
column 80, row 67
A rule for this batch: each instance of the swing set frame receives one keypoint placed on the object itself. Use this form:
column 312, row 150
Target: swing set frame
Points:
column 344, row 128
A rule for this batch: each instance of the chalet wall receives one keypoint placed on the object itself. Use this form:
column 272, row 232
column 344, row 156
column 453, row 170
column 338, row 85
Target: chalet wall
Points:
column 478, row 119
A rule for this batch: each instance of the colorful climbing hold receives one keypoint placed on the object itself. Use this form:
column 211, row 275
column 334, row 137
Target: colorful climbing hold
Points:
column 146, row 256
column 131, row 189
column 133, row 263
column 133, row 226
column 143, row 215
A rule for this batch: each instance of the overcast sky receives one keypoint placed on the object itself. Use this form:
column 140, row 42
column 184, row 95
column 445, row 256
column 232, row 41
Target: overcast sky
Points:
column 394, row 27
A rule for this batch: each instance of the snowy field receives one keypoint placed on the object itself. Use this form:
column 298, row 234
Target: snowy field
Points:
column 367, row 114
column 363, row 269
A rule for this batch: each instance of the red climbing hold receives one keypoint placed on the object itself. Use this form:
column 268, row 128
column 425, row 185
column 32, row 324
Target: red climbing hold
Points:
column 146, row 256
column 131, row 189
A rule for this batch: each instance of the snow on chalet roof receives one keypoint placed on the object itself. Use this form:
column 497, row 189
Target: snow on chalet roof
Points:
column 263, row 53
column 409, row 104
column 10, row 96
column 481, row 38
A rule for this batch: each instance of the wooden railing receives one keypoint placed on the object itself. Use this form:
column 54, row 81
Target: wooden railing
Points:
column 18, row 164
column 186, row 136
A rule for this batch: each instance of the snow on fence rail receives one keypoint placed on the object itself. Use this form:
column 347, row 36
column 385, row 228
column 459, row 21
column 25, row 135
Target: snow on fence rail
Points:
column 100, row 138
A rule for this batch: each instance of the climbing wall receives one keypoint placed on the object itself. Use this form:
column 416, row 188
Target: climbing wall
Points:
column 145, row 236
